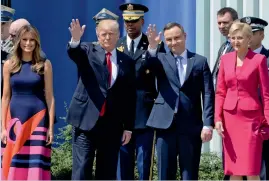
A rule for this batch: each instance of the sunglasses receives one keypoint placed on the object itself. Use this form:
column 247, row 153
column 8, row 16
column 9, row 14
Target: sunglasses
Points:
column 12, row 35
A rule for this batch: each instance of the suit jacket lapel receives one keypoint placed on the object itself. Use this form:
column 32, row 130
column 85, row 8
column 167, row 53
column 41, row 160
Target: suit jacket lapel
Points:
column 141, row 47
column 119, row 66
column 216, row 66
column 229, row 49
column 100, row 54
column 190, row 62
column 102, row 68
column 172, row 63
column 247, row 60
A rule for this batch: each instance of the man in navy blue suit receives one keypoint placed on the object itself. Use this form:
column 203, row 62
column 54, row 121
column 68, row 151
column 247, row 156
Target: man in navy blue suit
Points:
column 103, row 106
column 181, row 120
column 135, row 44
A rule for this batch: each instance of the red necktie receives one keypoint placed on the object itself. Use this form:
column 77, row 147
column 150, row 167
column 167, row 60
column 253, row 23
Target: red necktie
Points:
column 109, row 67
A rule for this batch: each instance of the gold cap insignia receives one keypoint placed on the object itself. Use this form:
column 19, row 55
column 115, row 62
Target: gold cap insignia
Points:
column 130, row 7
column 147, row 71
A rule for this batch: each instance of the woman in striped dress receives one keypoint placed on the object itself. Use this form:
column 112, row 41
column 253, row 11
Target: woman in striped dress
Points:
column 27, row 111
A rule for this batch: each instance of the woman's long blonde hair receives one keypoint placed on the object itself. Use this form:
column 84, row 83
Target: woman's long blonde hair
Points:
column 16, row 58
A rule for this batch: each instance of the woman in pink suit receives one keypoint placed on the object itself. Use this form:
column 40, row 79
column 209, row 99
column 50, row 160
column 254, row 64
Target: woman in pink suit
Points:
column 241, row 116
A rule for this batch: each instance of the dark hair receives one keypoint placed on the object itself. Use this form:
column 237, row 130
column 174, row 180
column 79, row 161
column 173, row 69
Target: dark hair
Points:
column 230, row 10
column 168, row 26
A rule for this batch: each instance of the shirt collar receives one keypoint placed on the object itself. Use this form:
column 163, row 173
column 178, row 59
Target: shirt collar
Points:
column 113, row 52
column 258, row 50
column 136, row 40
column 183, row 54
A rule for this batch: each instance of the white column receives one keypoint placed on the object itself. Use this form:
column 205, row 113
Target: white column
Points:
column 203, row 28
column 251, row 8
column 237, row 5
column 264, row 14
column 203, row 37
column 216, row 39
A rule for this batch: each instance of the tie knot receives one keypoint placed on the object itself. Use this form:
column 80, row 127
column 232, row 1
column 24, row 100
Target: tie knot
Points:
column 179, row 58
column 108, row 54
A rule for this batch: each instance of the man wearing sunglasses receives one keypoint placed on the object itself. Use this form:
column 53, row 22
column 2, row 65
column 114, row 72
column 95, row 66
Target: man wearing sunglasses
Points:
column 135, row 44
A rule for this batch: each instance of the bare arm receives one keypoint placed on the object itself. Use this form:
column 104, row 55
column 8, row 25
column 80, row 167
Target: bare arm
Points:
column 48, row 78
column 5, row 100
column 6, row 94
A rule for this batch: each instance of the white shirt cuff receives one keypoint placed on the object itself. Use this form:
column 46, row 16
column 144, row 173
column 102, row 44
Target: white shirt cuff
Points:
column 152, row 52
column 74, row 44
column 208, row 127
column 128, row 131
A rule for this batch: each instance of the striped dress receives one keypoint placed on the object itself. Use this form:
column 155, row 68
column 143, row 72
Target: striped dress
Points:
column 26, row 155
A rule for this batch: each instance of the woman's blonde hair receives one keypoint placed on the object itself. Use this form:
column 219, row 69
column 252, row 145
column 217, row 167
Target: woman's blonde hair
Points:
column 16, row 58
column 243, row 27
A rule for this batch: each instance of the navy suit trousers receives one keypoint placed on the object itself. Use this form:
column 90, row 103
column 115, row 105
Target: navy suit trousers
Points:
column 104, row 140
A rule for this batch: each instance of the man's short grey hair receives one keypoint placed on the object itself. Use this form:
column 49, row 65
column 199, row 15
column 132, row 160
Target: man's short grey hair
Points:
column 113, row 23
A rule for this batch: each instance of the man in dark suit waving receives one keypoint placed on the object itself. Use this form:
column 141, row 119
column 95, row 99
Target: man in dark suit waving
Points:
column 135, row 44
column 181, row 125
column 103, row 106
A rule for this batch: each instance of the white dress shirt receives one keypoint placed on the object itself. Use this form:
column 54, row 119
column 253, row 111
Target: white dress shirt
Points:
column 184, row 64
column 258, row 50
column 136, row 42
column 228, row 44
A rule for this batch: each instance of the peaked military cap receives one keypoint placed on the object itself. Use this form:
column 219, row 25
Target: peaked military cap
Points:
column 104, row 14
column 132, row 11
column 7, row 13
column 255, row 23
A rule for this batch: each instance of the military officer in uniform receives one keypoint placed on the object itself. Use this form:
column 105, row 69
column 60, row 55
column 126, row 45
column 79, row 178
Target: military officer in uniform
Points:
column 135, row 44
column 258, row 25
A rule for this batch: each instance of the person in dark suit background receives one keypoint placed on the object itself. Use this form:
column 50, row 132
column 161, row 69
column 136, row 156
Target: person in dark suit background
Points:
column 181, row 125
column 258, row 25
column 225, row 17
column 135, row 45
column 103, row 106
column 7, row 14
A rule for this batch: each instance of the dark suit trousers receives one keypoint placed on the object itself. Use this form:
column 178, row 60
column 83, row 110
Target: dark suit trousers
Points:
column 105, row 140
column 265, row 161
column 141, row 143
column 171, row 144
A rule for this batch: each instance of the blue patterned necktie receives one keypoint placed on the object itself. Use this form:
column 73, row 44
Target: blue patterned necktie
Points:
column 181, row 73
